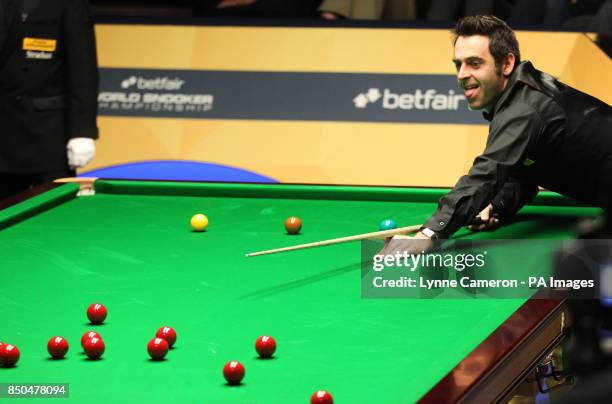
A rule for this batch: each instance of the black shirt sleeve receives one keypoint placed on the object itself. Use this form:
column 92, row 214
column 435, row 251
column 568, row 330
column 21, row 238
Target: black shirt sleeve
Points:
column 513, row 133
column 515, row 193
column 82, row 68
column 2, row 25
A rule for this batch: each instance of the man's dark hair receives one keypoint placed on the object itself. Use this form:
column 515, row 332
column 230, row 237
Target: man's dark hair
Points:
column 501, row 37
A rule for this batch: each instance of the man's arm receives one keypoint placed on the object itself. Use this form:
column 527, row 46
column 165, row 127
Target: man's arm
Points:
column 2, row 25
column 512, row 136
column 82, row 66
column 82, row 82
column 513, row 133
column 513, row 196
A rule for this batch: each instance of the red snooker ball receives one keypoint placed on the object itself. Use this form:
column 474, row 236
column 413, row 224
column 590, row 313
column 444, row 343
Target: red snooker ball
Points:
column 88, row 335
column 233, row 372
column 9, row 355
column 158, row 348
column 96, row 313
column 293, row 225
column 168, row 334
column 57, row 347
column 265, row 346
column 321, row 397
column 94, row 347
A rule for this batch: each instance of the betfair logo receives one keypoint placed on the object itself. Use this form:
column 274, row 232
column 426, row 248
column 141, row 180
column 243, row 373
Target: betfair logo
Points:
column 127, row 83
column 429, row 99
column 363, row 99
column 157, row 83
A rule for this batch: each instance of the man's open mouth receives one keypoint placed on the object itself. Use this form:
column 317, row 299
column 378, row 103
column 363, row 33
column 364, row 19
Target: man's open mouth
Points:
column 471, row 90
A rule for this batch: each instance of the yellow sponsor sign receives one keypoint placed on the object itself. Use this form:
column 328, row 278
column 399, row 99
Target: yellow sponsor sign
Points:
column 322, row 152
column 39, row 44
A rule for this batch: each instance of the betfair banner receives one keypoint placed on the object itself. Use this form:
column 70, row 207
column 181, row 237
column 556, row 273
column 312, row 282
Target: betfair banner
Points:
column 420, row 98
column 318, row 105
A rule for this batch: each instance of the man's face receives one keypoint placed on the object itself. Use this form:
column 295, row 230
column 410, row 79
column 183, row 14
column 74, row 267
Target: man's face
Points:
column 476, row 74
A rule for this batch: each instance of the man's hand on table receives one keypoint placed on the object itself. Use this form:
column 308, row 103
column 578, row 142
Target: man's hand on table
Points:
column 411, row 245
column 485, row 220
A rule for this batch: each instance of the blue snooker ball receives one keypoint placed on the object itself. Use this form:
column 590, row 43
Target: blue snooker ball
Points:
column 387, row 224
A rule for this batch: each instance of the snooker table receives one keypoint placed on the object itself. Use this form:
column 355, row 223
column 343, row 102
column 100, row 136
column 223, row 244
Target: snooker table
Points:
column 129, row 246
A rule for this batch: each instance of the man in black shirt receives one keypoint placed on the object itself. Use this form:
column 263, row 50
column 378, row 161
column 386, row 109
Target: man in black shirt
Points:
column 48, row 91
column 542, row 133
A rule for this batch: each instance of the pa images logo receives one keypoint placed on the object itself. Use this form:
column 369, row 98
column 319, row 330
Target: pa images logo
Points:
column 363, row 99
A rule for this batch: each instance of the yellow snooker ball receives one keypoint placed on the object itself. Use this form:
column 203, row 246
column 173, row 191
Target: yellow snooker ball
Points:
column 199, row 222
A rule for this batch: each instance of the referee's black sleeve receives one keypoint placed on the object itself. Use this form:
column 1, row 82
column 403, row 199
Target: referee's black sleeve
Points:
column 82, row 66
column 513, row 133
column 2, row 25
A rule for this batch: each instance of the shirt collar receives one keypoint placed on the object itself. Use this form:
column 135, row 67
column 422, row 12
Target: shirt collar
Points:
column 521, row 73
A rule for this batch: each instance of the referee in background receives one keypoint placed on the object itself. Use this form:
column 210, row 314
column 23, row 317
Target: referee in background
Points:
column 48, row 91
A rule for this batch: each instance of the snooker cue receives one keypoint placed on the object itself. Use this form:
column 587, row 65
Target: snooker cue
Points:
column 364, row 236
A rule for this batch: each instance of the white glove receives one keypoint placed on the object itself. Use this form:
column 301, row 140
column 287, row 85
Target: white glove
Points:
column 81, row 150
